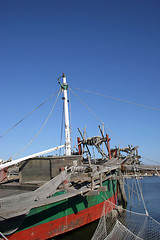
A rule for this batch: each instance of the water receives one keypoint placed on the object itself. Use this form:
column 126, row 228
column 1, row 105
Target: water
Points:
column 151, row 193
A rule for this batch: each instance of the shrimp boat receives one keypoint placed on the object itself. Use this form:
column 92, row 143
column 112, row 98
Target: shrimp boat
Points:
column 78, row 190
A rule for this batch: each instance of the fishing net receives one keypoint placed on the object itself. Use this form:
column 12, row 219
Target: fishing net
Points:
column 124, row 224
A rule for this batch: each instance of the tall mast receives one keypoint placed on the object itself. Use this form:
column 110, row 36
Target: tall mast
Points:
column 64, row 86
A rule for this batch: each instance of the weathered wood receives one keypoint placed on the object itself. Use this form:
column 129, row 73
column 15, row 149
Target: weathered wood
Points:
column 122, row 199
column 13, row 162
column 102, row 189
column 17, row 205
column 142, row 167
column 45, row 168
column 92, row 193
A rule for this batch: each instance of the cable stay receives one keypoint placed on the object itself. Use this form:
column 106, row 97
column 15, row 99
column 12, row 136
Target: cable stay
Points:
column 89, row 109
column 28, row 114
column 118, row 99
column 95, row 115
column 149, row 160
column 140, row 190
column 38, row 131
column 114, row 99
column 86, row 106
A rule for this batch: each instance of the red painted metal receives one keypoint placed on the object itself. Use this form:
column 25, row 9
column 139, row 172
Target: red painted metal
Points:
column 65, row 224
column 114, row 153
column 3, row 175
column 79, row 146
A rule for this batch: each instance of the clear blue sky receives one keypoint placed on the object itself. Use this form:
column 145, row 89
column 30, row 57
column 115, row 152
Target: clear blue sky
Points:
column 109, row 47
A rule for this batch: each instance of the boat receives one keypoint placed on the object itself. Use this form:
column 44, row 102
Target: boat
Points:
column 75, row 195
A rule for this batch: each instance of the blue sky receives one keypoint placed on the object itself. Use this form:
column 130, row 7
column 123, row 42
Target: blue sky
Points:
column 109, row 47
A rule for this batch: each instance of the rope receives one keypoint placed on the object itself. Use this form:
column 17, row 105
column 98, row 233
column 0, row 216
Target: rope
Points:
column 129, row 194
column 70, row 116
column 134, row 183
column 2, row 180
column 130, row 188
column 3, row 236
column 106, row 199
column 125, row 144
column 125, row 224
column 140, row 189
column 133, row 191
column 28, row 115
column 154, row 220
column 86, row 106
column 143, row 214
column 38, row 131
column 119, row 99
column 122, row 227
column 150, row 160
column 93, row 113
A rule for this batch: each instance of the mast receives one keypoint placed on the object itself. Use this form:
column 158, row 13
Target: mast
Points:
column 64, row 86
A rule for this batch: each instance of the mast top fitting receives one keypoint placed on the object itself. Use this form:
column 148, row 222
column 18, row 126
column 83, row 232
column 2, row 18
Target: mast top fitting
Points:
column 64, row 86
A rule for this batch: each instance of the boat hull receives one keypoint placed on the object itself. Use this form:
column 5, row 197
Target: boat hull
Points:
column 57, row 218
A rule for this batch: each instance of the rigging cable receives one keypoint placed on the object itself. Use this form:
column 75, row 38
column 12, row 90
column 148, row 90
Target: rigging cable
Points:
column 93, row 113
column 122, row 100
column 70, row 127
column 132, row 189
column 149, row 160
column 140, row 190
column 125, row 144
column 118, row 99
column 39, row 130
column 86, row 106
column 28, row 114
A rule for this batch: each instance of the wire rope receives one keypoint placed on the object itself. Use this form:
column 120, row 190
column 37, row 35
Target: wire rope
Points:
column 118, row 99
column 28, row 114
column 140, row 189
column 38, row 131
column 125, row 144
column 94, row 114
column 70, row 115
column 150, row 160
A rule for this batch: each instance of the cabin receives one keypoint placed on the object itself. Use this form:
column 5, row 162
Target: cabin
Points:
column 42, row 169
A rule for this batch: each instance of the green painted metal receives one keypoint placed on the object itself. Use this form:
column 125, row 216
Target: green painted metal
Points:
column 63, row 86
column 50, row 212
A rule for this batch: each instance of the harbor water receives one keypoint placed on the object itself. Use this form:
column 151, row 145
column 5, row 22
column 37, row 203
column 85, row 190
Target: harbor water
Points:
column 150, row 193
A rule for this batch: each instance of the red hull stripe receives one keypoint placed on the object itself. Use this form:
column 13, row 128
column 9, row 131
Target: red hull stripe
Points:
column 65, row 224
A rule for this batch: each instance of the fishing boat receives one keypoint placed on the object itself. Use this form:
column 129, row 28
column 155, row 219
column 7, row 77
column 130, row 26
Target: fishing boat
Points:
column 76, row 193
